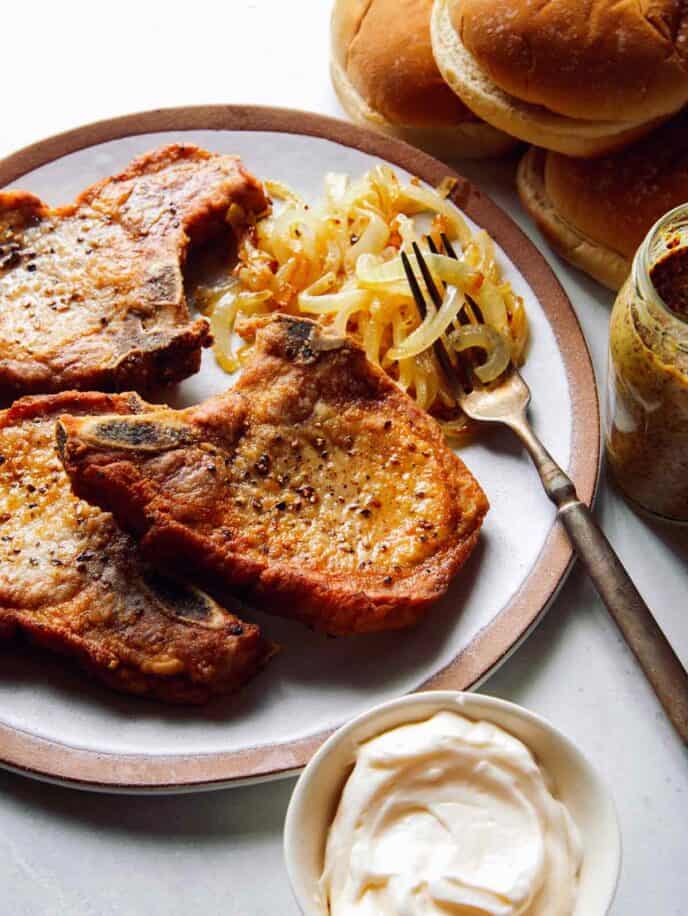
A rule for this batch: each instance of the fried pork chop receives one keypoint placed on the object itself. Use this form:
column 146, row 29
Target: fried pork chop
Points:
column 91, row 294
column 75, row 583
column 315, row 486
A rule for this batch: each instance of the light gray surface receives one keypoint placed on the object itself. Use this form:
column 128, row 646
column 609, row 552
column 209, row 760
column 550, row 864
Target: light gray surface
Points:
column 66, row 853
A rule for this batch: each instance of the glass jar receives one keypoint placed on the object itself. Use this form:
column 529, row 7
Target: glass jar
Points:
column 647, row 392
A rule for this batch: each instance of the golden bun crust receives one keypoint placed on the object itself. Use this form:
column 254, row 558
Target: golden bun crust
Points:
column 469, row 139
column 618, row 198
column 587, row 59
column 386, row 78
column 384, row 47
column 605, row 265
column 597, row 212
column 531, row 122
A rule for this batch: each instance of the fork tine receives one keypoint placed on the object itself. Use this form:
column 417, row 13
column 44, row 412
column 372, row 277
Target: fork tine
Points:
column 435, row 294
column 430, row 242
column 455, row 366
column 413, row 283
column 463, row 318
column 456, row 375
column 448, row 247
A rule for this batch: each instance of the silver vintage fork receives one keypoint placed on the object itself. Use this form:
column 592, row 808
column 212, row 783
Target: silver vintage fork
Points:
column 506, row 401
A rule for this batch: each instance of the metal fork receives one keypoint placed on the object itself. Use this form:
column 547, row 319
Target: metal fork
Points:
column 506, row 401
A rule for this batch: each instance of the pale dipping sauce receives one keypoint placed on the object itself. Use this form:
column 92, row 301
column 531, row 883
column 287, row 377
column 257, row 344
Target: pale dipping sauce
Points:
column 449, row 816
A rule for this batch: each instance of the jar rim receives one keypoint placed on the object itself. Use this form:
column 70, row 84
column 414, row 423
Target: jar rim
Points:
column 641, row 269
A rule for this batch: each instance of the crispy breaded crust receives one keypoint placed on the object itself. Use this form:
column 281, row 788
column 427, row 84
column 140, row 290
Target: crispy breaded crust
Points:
column 73, row 582
column 91, row 294
column 314, row 486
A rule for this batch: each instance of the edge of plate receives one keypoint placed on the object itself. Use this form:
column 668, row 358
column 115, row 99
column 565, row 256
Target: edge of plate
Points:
column 30, row 755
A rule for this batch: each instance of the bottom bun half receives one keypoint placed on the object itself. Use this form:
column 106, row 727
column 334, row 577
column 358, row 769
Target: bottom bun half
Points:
column 472, row 139
column 595, row 258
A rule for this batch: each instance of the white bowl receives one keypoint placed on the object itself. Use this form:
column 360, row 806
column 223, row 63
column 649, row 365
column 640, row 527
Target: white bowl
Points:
column 316, row 794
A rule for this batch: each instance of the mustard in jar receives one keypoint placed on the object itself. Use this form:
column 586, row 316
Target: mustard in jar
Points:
column 647, row 407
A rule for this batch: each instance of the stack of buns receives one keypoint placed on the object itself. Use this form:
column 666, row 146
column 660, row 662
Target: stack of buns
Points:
column 591, row 83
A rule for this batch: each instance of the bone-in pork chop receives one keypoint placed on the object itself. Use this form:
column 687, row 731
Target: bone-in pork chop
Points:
column 314, row 486
column 91, row 294
column 74, row 582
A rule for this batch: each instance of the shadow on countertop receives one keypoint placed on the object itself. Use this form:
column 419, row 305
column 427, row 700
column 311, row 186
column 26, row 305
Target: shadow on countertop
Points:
column 244, row 813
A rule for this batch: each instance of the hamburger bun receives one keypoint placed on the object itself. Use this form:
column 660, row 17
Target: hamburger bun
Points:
column 596, row 212
column 386, row 78
column 581, row 77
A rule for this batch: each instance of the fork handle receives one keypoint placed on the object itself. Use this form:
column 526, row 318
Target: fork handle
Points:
column 641, row 631
column 633, row 617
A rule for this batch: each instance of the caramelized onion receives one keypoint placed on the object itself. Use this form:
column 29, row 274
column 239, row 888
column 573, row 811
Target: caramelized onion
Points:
column 340, row 260
column 487, row 339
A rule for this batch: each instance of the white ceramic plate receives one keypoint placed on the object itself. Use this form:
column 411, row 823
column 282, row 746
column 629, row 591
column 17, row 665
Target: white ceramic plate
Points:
column 56, row 724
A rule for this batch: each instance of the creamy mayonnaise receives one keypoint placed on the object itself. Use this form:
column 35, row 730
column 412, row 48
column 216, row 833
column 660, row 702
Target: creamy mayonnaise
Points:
column 449, row 816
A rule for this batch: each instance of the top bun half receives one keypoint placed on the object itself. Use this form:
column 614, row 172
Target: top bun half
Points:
column 600, row 60
column 596, row 212
column 581, row 77
column 384, row 47
column 386, row 77
column 616, row 199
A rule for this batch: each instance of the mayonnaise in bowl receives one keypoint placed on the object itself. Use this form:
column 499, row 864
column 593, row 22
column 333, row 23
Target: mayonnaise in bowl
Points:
column 449, row 816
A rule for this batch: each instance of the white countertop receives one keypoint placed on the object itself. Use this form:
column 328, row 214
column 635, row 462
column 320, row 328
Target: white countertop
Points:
column 63, row 852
